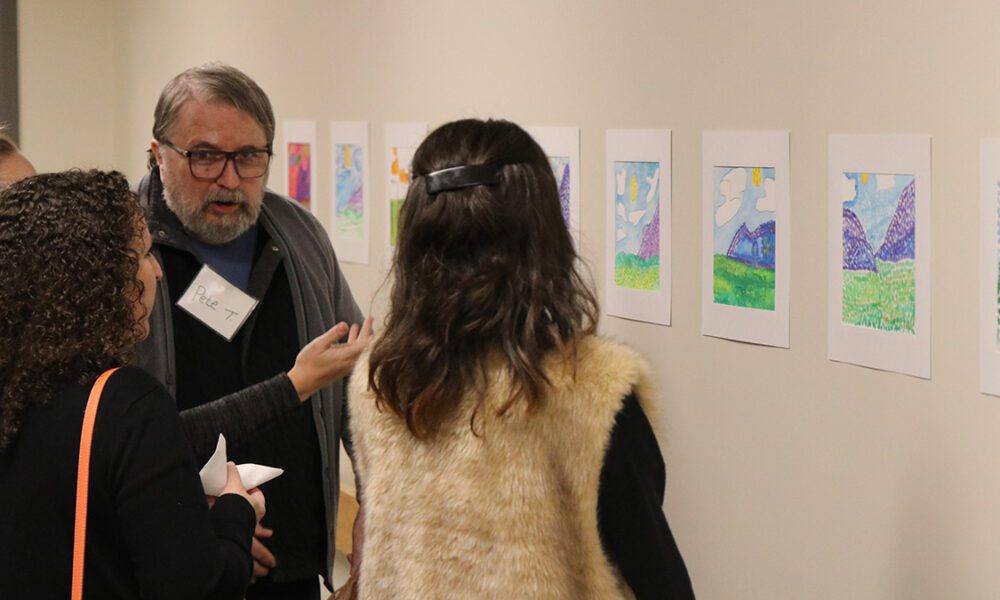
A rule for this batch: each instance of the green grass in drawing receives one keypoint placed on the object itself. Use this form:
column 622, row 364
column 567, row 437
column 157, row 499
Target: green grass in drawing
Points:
column 395, row 205
column 349, row 223
column 634, row 272
column 885, row 299
column 738, row 284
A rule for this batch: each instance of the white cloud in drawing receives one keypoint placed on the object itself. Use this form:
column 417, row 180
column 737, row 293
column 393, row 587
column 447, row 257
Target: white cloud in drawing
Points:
column 620, row 182
column 885, row 182
column 731, row 187
column 769, row 201
column 848, row 189
column 654, row 187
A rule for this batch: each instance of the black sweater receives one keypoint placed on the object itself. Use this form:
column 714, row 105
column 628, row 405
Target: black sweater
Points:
column 149, row 530
column 634, row 531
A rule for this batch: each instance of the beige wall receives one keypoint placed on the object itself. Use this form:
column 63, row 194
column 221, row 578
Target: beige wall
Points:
column 789, row 476
column 70, row 83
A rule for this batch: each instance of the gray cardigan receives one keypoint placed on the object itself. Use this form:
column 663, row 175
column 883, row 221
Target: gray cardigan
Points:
column 321, row 298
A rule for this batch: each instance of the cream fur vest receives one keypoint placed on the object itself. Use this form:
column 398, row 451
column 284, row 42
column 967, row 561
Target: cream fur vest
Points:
column 511, row 513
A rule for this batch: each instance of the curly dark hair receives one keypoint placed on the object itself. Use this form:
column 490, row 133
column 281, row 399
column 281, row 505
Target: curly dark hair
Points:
column 69, row 273
column 479, row 272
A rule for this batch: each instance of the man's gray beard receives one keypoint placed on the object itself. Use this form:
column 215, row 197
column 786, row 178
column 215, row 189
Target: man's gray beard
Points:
column 225, row 229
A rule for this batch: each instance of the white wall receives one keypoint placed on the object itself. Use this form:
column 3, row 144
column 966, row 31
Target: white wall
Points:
column 789, row 476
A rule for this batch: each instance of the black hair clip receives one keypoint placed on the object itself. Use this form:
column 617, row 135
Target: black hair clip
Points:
column 455, row 178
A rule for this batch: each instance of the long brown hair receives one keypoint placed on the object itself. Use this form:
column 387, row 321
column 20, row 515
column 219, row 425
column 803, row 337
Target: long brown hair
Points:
column 69, row 284
column 482, row 271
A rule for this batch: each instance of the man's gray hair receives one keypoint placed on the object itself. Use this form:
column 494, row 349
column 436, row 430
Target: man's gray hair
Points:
column 212, row 82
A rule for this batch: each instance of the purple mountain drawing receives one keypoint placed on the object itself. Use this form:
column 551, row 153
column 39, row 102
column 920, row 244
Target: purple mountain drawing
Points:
column 899, row 238
column 650, row 245
column 354, row 202
column 754, row 247
column 564, row 194
column 858, row 253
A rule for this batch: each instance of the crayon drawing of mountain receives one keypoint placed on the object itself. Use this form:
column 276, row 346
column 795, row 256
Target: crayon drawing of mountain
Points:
column 879, row 251
column 744, row 237
column 637, row 225
column 299, row 168
column 399, row 181
column 350, row 200
column 560, row 168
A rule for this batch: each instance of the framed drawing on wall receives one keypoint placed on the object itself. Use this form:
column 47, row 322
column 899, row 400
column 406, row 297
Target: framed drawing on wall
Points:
column 746, row 236
column 299, row 158
column 350, row 208
column 989, row 258
column 637, row 200
column 562, row 146
column 401, row 141
column 879, row 252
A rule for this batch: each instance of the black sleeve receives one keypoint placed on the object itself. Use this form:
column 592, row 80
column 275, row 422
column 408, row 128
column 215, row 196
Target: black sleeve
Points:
column 179, row 549
column 633, row 528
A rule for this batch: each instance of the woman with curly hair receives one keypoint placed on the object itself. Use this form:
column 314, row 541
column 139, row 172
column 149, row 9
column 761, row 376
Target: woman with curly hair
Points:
column 503, row 447
column 78, row 284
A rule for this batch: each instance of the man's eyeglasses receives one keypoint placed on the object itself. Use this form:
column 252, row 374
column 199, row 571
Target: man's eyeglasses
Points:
column 208, row 165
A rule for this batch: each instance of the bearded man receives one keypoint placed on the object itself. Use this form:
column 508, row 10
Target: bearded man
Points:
column 249, row 313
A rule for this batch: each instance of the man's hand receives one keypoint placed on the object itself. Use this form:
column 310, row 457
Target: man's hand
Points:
column 324, row 360
column 263, row 560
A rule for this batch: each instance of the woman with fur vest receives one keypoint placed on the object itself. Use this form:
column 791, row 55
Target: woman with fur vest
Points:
column 502, row 445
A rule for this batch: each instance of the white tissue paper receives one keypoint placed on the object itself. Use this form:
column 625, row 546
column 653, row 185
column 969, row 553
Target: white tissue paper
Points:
column 213, row 474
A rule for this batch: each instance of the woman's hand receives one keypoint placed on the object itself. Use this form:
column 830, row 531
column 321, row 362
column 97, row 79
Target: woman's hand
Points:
column 234, row 485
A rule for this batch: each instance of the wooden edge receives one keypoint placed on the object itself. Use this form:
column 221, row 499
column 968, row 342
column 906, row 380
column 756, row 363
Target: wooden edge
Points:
column 346, row 512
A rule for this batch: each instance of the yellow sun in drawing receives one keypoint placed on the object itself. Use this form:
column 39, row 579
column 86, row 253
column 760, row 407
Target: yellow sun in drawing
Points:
column 633, row 189
column 864, row 179
column 347, row 156
column 757, row 176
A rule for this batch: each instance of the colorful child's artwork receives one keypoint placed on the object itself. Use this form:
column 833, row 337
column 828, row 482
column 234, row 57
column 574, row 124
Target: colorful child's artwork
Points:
column 562, row 146
column 349, row 223
column 637, row 225
column 879, row 252
column 350, row 192
column 399, row 181
column 637, row 280
column 299, row 150
column 401, row 142
column 879, row 217
column 745, row 237
column 746, row 241
column 299, row 169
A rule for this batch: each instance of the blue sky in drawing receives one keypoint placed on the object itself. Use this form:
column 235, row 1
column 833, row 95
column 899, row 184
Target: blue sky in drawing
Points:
column 873, row 197
column 740, row 199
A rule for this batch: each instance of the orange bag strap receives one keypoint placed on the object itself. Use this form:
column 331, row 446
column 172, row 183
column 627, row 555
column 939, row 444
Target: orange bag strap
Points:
column 82, row 482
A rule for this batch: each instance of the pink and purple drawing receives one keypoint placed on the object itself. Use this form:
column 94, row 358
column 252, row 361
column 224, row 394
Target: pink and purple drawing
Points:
column 350, row 207
column 299, row 170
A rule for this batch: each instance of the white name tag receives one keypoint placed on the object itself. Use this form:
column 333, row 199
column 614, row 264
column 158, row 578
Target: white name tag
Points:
column 220, row 305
